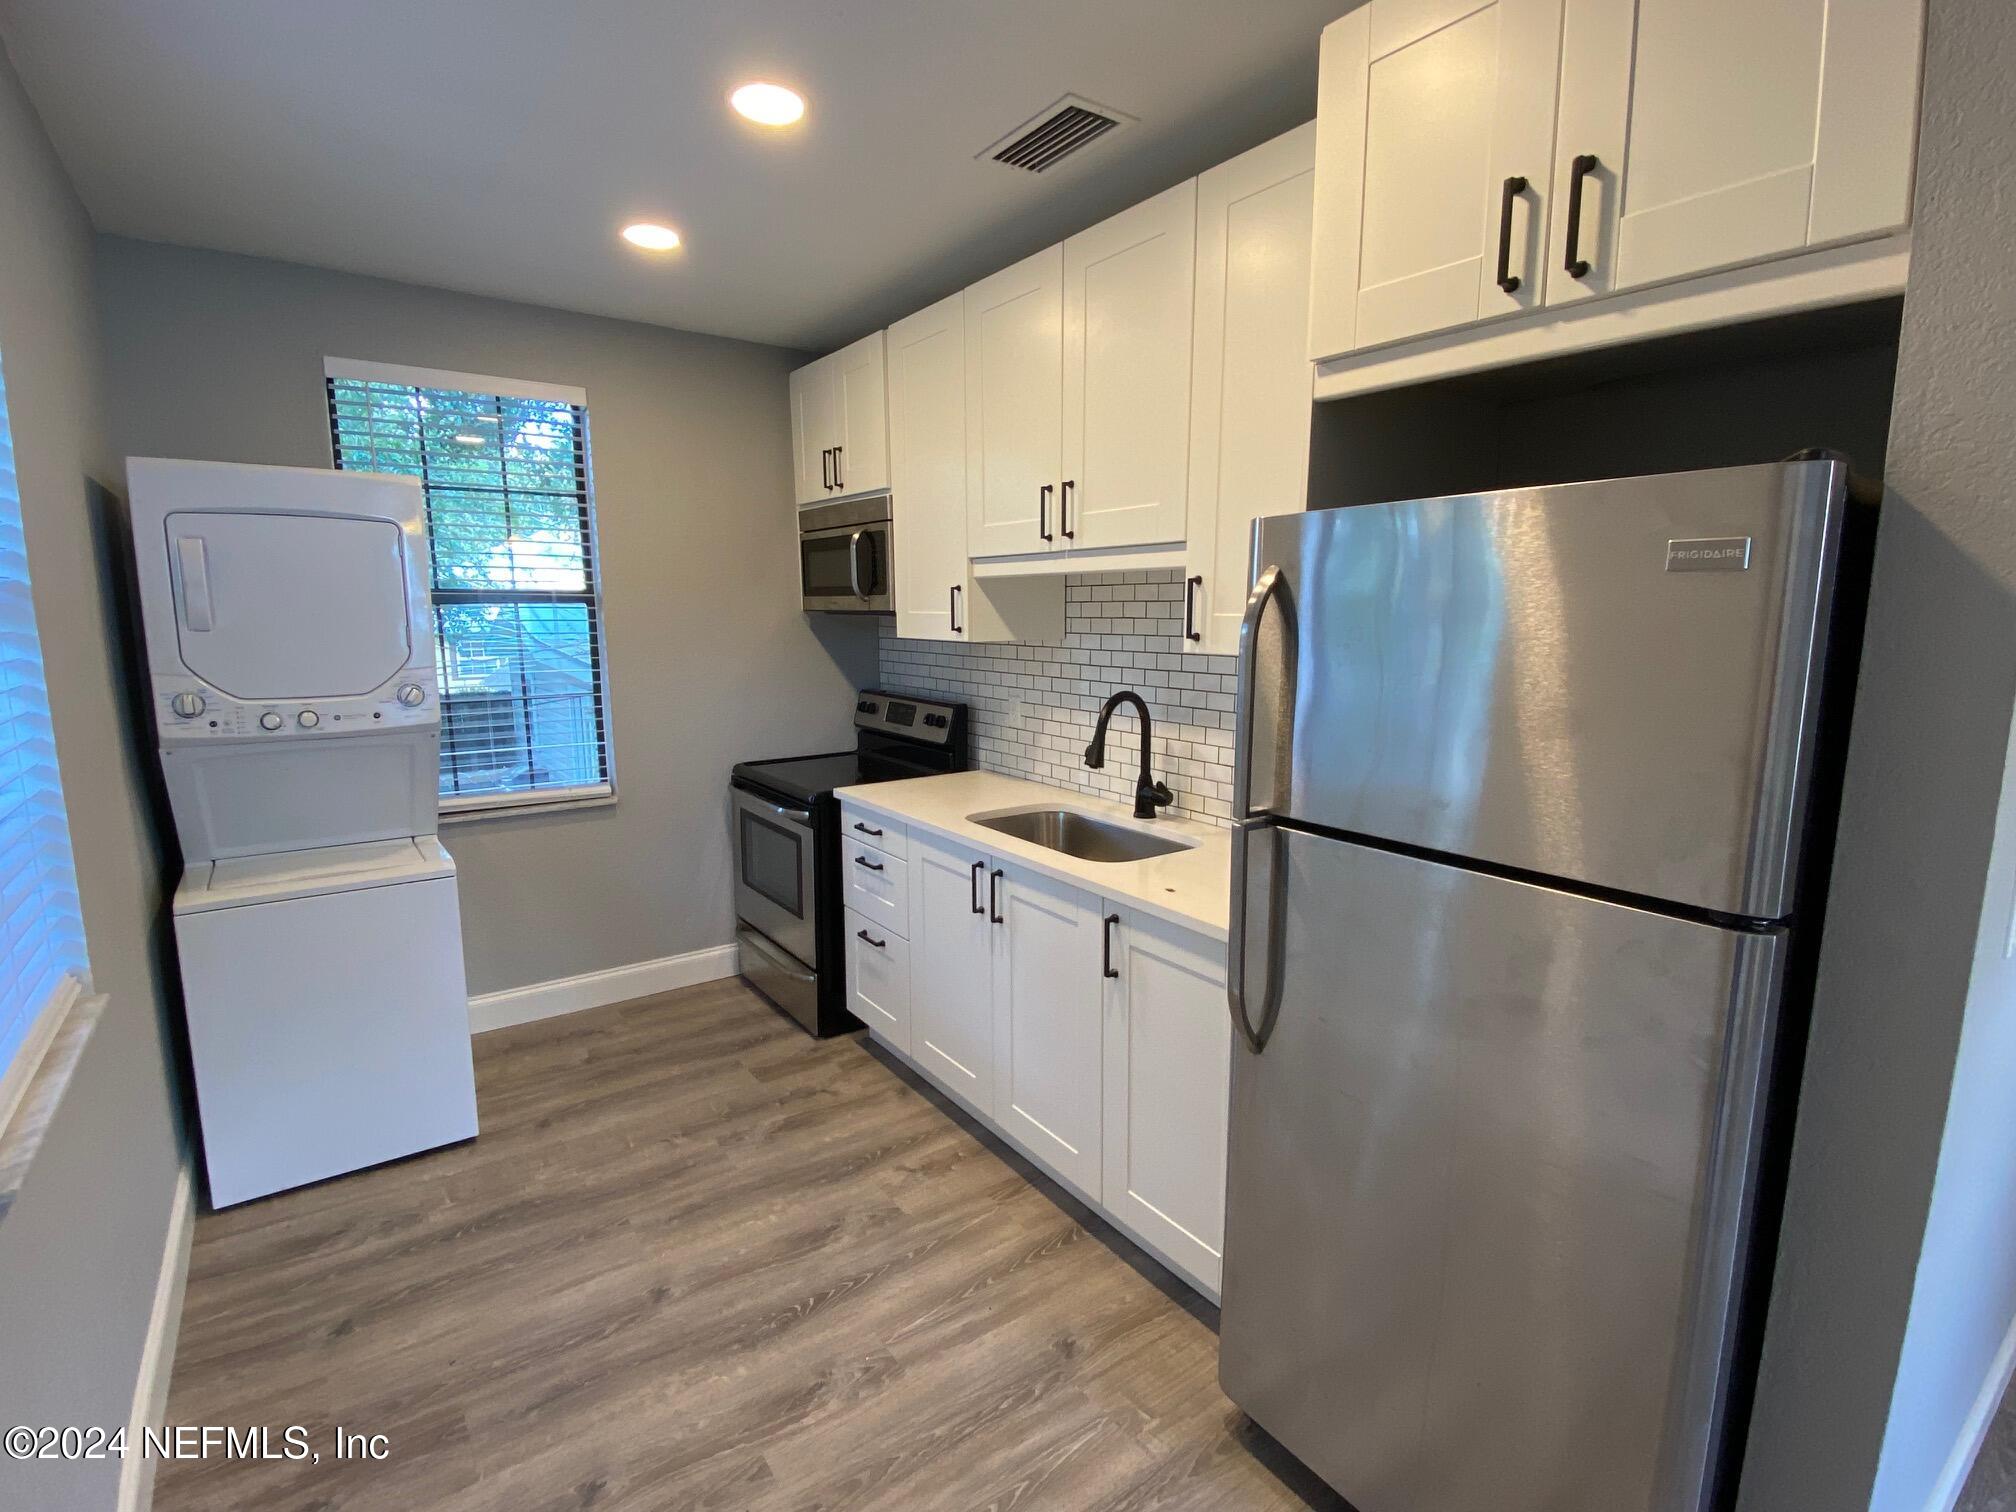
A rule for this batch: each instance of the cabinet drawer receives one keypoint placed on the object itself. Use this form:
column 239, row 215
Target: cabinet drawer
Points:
column 877, row 885
column 878, row 979
column 872, row 829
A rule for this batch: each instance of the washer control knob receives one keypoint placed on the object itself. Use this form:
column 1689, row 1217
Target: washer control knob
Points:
column 186, row 705
column 269, row 720
column 411, row 694
column 308, row 719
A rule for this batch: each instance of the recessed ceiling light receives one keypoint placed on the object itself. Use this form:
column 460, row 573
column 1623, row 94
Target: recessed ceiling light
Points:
column 651, row 237
column 768, row 104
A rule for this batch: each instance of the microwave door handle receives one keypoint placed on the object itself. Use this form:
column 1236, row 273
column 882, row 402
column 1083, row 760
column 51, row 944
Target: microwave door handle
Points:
column 854, row 563
column 190, row 556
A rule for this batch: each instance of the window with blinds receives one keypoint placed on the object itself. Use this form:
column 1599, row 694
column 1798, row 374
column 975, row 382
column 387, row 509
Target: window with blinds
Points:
column 517, row 625
column 41, row 933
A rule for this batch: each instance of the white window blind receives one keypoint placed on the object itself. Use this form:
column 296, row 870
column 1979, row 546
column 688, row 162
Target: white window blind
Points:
column 41, row 933
column 517, row 623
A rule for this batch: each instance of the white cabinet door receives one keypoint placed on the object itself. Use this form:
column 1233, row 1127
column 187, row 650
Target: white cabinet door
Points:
column 1014, row 406
column 861, row 418
column 1168, row 1068
column 1431, row 114
column 1250, row 397
column 1715, row 132
column 1047, row 1030
column 1128, row 285
column 951, row 970
column 927, row 469
column 878, row 978
column 815, row 411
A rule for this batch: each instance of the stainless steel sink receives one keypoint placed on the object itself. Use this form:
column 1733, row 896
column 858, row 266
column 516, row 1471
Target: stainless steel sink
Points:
column 1081, row 835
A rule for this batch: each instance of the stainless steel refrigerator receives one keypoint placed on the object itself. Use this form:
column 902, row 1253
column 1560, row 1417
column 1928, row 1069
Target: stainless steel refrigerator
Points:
column 1522, row 797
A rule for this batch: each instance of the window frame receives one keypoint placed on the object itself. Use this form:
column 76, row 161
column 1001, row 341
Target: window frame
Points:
column 473, row 806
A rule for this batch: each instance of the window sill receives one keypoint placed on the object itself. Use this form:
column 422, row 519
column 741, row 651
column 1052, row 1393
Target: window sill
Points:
column 29, row 1123
column 525, row 807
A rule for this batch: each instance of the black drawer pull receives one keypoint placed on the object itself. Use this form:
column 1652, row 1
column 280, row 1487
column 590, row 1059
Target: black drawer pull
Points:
column 1190, row 587
column 1064, row 509
column 871, row 865
column 1106, row 946
column 994, row 898
column 1576, row 264
column 862, row 934
column 865, row 829
column 1507, row 279
column 978, row 867
column 1043, row 513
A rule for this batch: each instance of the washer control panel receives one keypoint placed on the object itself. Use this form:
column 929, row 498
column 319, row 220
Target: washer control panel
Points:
column 186, row 710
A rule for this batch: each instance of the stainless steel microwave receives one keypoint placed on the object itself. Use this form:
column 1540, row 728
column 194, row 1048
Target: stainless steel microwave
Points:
column 847, row 556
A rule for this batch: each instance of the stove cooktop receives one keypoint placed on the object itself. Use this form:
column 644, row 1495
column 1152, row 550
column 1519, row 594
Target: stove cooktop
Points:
column 803, row 779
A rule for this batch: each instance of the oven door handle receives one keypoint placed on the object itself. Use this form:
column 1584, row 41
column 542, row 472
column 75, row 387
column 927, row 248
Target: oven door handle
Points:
column 800, row 817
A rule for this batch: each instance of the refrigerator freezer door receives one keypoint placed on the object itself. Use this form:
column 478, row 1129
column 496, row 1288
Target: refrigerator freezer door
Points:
column 1613, row 683
column 1488, row 1185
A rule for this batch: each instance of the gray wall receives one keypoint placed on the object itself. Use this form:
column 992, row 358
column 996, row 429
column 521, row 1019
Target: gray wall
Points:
column 1897, row 1275
column 81, row 1248
column 711, row 660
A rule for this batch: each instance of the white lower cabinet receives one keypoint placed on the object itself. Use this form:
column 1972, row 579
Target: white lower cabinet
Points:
column 878, row 978
column 1090, row 1034
column 1168, row 1078
column 1047, row 1035
column 951, row 970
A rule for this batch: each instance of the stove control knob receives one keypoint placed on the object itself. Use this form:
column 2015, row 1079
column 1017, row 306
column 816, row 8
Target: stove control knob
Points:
column 308, row 719
column 269, row 720
column 186, row 705
column 411, row 694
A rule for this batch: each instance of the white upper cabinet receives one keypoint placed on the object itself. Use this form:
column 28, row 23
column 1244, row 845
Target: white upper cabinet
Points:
column 1250, row 404
column 1708, row 133
column 1434, row 150
column 1048, row 990
column 1015, row 406
column 927, row 468
column 1128, row 286
column 840, row 425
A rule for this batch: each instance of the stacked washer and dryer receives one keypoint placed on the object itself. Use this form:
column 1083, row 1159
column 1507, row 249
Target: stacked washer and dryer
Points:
column 291, row 658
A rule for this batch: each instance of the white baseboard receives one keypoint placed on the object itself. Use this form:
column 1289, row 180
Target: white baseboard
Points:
column 1974, row 1431
column 598, row 989
column 157, row 1355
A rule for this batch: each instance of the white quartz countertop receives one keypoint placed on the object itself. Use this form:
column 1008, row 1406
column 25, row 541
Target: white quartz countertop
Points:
column 1188, row 887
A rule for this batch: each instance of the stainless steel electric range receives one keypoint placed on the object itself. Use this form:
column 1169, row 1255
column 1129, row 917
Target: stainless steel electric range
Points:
column 788, row 908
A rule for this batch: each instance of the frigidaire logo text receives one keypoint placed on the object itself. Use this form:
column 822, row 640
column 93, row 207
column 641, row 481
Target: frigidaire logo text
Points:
column 1714, row 554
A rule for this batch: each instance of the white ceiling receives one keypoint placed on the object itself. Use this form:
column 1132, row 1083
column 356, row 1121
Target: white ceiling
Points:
column 495, row 146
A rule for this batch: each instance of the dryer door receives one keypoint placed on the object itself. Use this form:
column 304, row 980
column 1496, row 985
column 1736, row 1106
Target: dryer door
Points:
column 293, row 606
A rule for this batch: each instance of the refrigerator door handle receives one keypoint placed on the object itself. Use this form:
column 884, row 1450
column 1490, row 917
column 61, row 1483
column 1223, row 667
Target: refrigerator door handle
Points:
column 1270, row 933
column 1268, row 585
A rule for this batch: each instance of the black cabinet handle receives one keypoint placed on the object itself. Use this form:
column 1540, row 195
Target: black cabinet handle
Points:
column 871, row 865
column 867, row 829
column 1190, row 630
column 1106, row 947
column 1043, row 513
column 1064, row 510
column 1576, row 264
column 978, row 867
column 994, row 898
column 953, row 612
column 826, row 468
column 1507, row 279
column 862, row 934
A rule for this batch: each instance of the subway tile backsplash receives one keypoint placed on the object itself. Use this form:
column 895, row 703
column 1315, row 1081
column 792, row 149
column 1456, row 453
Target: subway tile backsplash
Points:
column 1033, row 704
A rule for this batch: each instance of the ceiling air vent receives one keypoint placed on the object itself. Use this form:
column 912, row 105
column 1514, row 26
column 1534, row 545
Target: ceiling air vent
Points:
column 1054, row 134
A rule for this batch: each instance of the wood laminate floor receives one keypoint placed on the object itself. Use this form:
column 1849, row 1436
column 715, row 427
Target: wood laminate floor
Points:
column 698, row 1260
